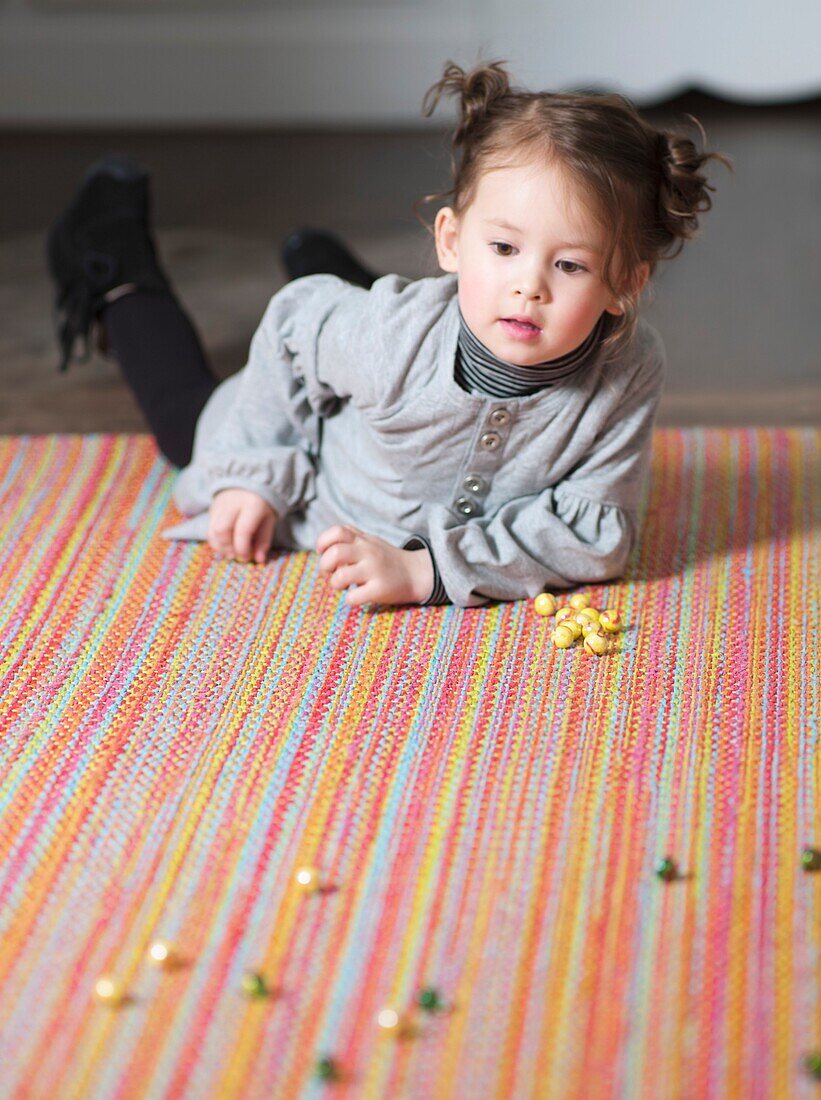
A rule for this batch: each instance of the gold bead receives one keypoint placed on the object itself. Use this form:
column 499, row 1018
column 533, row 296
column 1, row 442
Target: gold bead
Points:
column 579, row 600
column 388, row 1019
column 590, row 627
column 610, row 620
column 109, row 990
column 162, row 953
column 307, row 879
column 595, row 642
column 254, row 985
column 562, row 637
column 545, row 604
column 399, row 1025
column 589, row 613
column 574, row 628
column 563, row 613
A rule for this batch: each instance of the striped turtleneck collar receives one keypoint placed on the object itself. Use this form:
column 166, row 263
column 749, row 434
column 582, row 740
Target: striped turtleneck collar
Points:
column 478, row 370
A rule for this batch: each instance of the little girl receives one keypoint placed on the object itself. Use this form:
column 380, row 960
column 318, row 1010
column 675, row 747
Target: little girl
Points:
column 480, row 435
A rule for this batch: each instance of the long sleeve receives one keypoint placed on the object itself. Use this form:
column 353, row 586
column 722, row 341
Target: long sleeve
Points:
column 580, row 530
column 269, row 437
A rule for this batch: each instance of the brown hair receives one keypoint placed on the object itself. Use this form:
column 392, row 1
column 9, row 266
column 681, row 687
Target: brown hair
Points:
column 644, row 186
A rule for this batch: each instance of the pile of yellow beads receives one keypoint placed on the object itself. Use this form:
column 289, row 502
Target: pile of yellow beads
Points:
column 577, row 619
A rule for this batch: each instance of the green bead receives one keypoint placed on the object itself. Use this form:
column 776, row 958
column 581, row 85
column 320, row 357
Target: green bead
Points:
column 253, row 984
column 812, row 1064
column 811, row 859
column 326, row 1069
column 666, row 869
column 429, row 999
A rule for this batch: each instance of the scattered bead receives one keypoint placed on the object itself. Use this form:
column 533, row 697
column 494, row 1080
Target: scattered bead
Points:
column 591, row 614
column 564, row 613
column 811, row 859
column 812, row 1064
column 388, row 1018
column 562, row 637
column 429, row 999
column 162, row 953
column 307, row 879
column 109, row 991
column 610, row 620
column 545, row 604
column 253, row 984
column 573, row 627
column 590, row 627
column 666, row 869
column 579, row 600
column 595, row 643
column 327, row 1070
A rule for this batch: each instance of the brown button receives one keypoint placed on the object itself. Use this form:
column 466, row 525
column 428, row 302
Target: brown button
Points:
column 499, row 417
column 473, row 483
column 490, row 440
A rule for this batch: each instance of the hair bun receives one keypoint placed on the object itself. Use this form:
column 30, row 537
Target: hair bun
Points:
column 478, row 89
column 684, row 191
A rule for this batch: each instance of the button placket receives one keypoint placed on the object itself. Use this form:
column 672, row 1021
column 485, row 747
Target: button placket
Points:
column 490, row 440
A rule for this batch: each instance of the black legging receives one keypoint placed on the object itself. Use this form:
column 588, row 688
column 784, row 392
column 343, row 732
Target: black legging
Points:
column 163, row 362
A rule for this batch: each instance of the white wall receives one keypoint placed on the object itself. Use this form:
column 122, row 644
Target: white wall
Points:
column 325, row 62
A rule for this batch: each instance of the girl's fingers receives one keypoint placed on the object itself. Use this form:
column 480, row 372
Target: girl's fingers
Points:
column 265, row 534
column 243, row 537
column 348, row 574
column 359, row 595
column 337, row 533
column 338, row 554
column 220, row 533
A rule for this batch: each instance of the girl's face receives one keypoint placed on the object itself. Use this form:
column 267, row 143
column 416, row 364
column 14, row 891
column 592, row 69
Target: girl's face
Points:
column 528, row 260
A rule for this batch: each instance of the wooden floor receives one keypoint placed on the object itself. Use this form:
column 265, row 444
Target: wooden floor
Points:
column 739, row 310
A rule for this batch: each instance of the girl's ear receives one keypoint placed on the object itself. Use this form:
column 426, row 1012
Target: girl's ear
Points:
column 445, row 230
column 639, row 280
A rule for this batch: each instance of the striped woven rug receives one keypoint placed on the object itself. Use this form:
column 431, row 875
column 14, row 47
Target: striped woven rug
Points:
column 485, row 812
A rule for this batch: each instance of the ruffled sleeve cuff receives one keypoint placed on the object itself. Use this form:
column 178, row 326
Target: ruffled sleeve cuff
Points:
column 607, row 529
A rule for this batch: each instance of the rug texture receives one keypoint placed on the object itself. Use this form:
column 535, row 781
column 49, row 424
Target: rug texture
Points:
column 486, row 812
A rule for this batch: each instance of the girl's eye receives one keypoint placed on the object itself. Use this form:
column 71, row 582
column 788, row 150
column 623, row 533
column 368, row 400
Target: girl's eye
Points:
column 502, row 245
column 570, row 263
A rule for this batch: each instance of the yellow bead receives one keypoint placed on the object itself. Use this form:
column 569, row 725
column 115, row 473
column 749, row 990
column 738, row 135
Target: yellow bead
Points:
column 590, row 627
column 307, row 879
column 162, row 953
column 109, row 990
column 596, row 643
column 545, row 604
column 589, row 613
column 574, row 628
column 400, row 1025
column 563, row 637
column 254, row 985
column 610, row 620
column 388, row 1018
column 563, row 613
column 579, row 600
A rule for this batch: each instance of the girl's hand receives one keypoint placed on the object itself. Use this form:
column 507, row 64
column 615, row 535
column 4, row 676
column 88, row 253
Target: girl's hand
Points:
column 381, row 573
column 240, row 524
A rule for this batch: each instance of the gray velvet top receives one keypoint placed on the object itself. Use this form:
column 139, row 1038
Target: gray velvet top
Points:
column 348, row 412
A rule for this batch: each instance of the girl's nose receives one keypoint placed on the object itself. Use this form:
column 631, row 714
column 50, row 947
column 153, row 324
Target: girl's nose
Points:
column 533, row 288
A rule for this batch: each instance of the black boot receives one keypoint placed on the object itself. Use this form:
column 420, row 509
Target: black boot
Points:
column 101, row 242
column 315, row 252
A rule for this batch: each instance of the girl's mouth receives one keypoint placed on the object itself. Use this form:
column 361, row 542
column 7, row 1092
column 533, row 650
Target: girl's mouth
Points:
column 520, row 330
